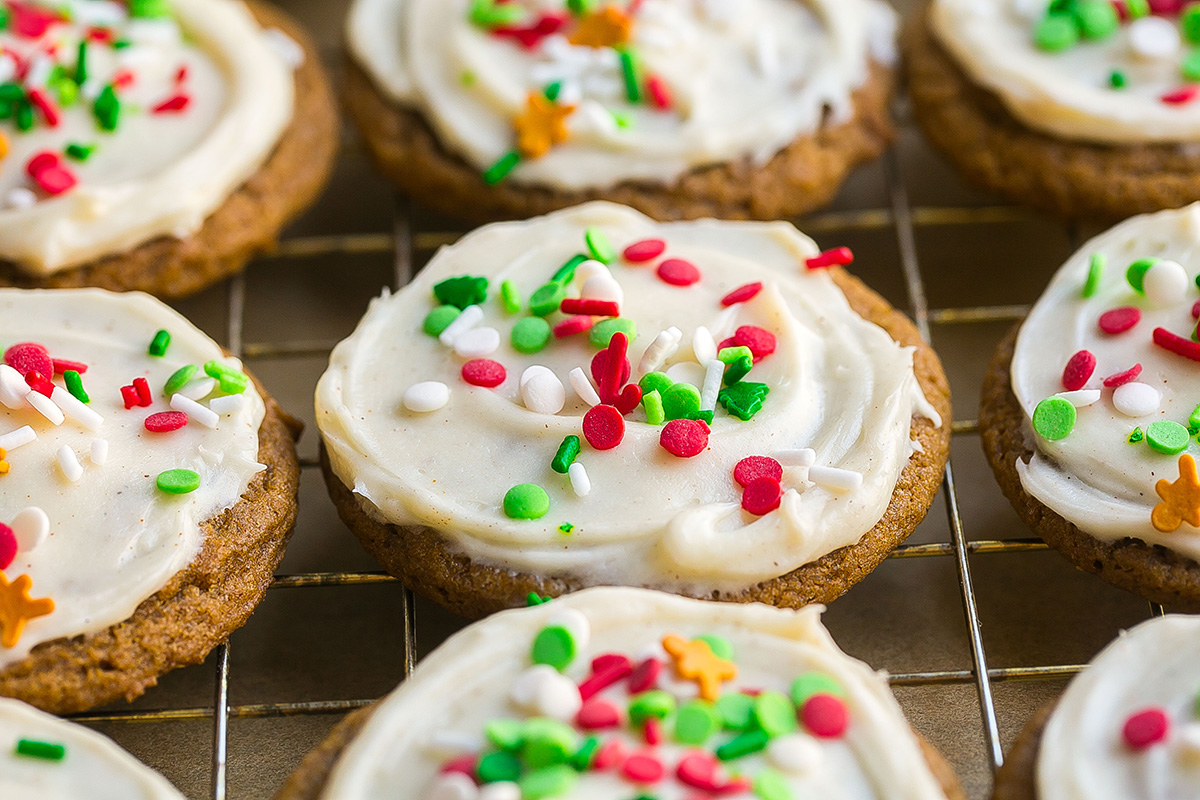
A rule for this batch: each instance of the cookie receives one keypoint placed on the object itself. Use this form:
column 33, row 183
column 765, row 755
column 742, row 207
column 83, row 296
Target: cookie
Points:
column 149, row 487
column 1089, row 414
column 613, row 689
column 1127, row 726
column 161, row 174
column 717, row 411
column 44, row 757
column 651, row 103
column 1053, row 129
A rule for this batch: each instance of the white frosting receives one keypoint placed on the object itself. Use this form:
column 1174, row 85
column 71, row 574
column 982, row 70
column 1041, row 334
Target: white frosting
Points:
column 462, row 685
column 93, row 767
column 746, row 79
column 838, row 384
column 1083, row 755
column 157, row 174
column 1066, row 94
column 1093, row 477
column 114, row 538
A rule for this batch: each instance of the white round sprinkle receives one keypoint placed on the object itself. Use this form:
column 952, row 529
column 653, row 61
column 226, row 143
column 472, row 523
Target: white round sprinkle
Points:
column 228, row 404
column 468, row 318
column 198, row 388
column 687, row 372
column 530, row 372
column 1136, row 399
column 201, row 414
column 603, row 287
column 835, row 479
column 99, row 453
column 20, row 197
column 1154, row 38
column 31, row 526
column 795, row 753
column 13, row 388
column 582, row 385
column 591, row 269
column 21, row 436
column 46, row 407
column 544, row 393
column 69, row 464
column 581, row 484
column 1165, row 283
column 803, row 457
column 477, row 342
column 557, row 697
column 523, row 692
column 501, row 790
column 452, row 786
column 704, row 346
column 1081, row 398
column 426, row 396
column 574, row 621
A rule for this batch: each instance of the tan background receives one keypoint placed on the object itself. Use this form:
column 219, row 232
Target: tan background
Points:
column 346, row 642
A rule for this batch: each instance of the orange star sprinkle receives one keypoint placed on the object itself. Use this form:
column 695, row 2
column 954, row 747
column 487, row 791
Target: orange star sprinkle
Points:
column 17, row 608
column 1181, row 499
column 695, row 661
column 542, row 125
column 608, row 27
column 3, row 463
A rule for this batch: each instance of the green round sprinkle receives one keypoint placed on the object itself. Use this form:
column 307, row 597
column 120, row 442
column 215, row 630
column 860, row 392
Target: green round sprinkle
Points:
column 655, row 382
column 721, row 647
column 47, row 751
column 160, row 343
column 774, row 713
column 510, row 298
column 461, row 291
column 1054, row 418
column 499, row 766
column 743, row 744
column 770, row 785
column 696, row 723
column 602, row 332
column 530, row 335
column 1136, row 274
column 736, row 710
column 652, row 404
column 439, row 319
column 556, row 781
column 811, row 683
column 1095, row 274
column 180, row 378
column 586, row 754
column 599, row 246
column 554, row 645
column 566, row 273
column 1137, row 8
column 1117, row 79
column 504, row 733
column 178, row 481
column 1136, row 435
column 499, row 171
column 654, row 703
column 1055, row 33
column 1190, row 68
column 1097, row 19
column 547, row 742
column 1167, row 436
column 1189, row 22
column 681, row 401
column 568, row 451
column 75, row 386
column 526, row 501
column 547, row 299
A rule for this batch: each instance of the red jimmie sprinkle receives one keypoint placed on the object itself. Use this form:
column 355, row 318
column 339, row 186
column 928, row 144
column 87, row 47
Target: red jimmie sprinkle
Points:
column 62, row 365
column 837, row 257
column 29, row 357
column 8, row 546
column 660, row 95
column 130, row 397
column 1122, row 378
column 590, row 306
column 603, row 427
column 1146, row 728
column 645, row 250
column 166, row 421
column 684, row 438
column 606, row 670
column 1079, row 368
column 100, row 35
column 43, row 103
column 652, row 730
column 598, row 714
column 678, row 272
column 611, row 754
column 1176, row 344
column 572, row 326
column 173, row 104
column 1181, row 96
column 123, row 79
column 645, row 676
column 761, row 342
column 610, row 661
column 465, row 764
column 742, row 294
column 825, row 716
column 39, row 383
column 484, row 372
column 1196, row 310
column 762, row 495
column 600, row 364
column 700, row 770
column 643, row 767
column 48, row 172
column 181, row 75
column 143, row 391
column 532, row 35
column 751, row 468
column 1119, row 320
column 614, row 368
column 40, row 161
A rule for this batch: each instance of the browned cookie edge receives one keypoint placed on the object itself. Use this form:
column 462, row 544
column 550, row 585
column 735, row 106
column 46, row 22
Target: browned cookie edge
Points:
column 1017, row 779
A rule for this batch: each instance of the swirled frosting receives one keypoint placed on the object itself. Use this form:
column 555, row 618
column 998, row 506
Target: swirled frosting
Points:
column 92, row 766
column 441, row 712
column 838, row 384
column 113, row 537
column 1084, row 754
column 1073, row 93
column 201, row 98
column 1094, row 477
column 738, row 80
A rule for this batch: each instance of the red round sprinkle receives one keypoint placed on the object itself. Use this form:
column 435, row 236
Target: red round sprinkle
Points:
column 610, row 754
column 761, row 342
column 484, row 372
column 1146, row 728
column 678, row 272
column 643, row 768
column 699, row 770
column 730, row 342
column 1165, row 6
column 1122, row 378
column 742, row 294
column 752, row 467
column 645, row 676
column 166, row 421
column 55, row 180
column 825, row 716
column 1079, row 368
column 62, row 365
column 1119, row 320
column 837, row 257
column 1196, row 310
column 465, row 764
column 606, row 661
column 652, row 730
column 762, row 495
column 39, row 383
column 645, row 250
column 29, row 357
column 30, row 21
column 597, row 714
column 684, row 438
column 572, row 326
column 39, row 162
column 603, row 427
column 8, row 546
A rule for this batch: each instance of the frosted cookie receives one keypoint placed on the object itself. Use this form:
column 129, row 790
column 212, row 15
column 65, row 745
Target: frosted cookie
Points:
column 1090, row 414
column 46, row 758
column 488, row 109
column 147, row 490
column 154, row 145
column 594, row 398
column 1127, row 726
column 627, row 692
column 1082, row 108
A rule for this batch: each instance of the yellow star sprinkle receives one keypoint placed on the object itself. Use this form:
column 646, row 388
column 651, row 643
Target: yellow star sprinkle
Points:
column 542, row 125
column 608, row 27
column 3, row 463
column 695, row 661
column 17, row 608
column 1181, row 499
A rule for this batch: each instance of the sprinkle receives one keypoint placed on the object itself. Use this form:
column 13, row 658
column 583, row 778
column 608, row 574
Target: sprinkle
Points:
column 1146, row 728
column 547, row 299
column 762, row 496
column 606, row 671
column 178, row 481
column 229, row 404
column 803, row 457
column 484, row 372
column 1180, row 96
column 1165, row 283
column 39, row 99
column 643, row 768
column 1117, row 79
column 744, row 399
column 461, row 291
column 76, row 410
column 837, row 257
column 46, row 751
column 591, row 306
column 1180, row 499
column 29, row 357
column 1136, row 274
column 477, row 342
column 681, row 401
column 581, row 484
column 74, row 385
column 13, row 388
column 503, row 166
column 761, row 342
column 17, row 438
column 825, row 716
column 160, row 343
column 200, row 388
column 662, row 348
column 69, row 463
column 542, row 392
column 573, row 326
column 467, row 319
column 555, row 645
column 1081, row 398
column 583, row 387
column 598, row 714
column 510, row 299
column 752, row 468
column 1154, row 38
column 30, row 528
column 1167, row 437
column 678, row 272
column 566, row 273
column 8, row 546
column 438, row 319
column 684, row 438
column 39, row 383
column 46, row 407
column 742, row 294
column 599, row 246
column 645, row 250
column 107, row 109
column 541, row 125
column 196, row 411
column 652, row 404
column 738, row 363
column 99, row 453
column 1135, row 399
column 601, row 333
column 603, row 427
column 1095, row 274
column 713, row 374
column 704, row 346
column 166, row 421
column 630, row 76
column 568, row 451
column 1119, row 320
column 1176, row 344
column 426, row 396
column 1097, row 19
column 1078, row 370
column 835, row 479
column 17, row 608
column 1053, row 419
